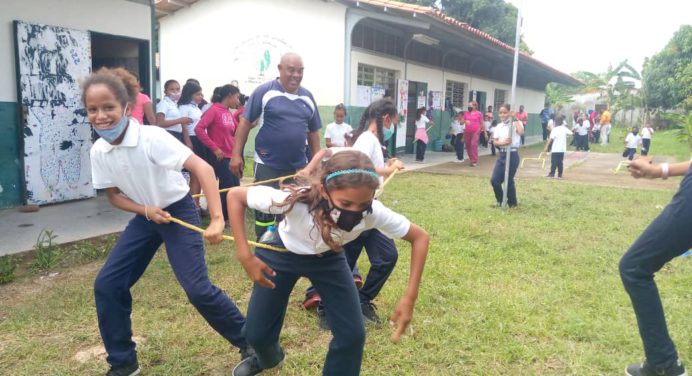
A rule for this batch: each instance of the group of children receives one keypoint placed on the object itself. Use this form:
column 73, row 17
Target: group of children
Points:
column 329, row 213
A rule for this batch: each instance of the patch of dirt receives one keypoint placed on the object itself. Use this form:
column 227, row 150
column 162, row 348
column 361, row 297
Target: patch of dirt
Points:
column 99, row 352
column 580, row 167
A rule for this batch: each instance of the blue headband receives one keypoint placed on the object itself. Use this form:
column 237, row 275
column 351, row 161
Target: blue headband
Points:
column 350, row 171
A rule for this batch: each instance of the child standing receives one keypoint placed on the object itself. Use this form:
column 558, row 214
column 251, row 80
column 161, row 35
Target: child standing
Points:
column 421, row 134
column 216, row 129
column 458, row 126
column 557, row 146
column 583, row 126
column 491, row 132
column 647, row 132
column 167, row 113
column 507, row 143
column 336, row 202
column 139, row 167
column 336, row 132
column 188, row 107
column 632, row 140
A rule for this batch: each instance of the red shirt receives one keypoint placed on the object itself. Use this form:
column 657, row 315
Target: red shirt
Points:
column 216, row 129
column 522, row 117
column 473, row 121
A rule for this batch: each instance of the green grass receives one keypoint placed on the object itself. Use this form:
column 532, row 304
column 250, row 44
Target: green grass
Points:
column 532, row 291
column 662, row 143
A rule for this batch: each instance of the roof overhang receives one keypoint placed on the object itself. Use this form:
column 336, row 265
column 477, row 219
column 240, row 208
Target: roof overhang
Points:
column 167, row 7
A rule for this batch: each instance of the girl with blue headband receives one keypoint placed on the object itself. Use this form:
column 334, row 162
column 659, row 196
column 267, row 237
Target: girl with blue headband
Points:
column 331, row 206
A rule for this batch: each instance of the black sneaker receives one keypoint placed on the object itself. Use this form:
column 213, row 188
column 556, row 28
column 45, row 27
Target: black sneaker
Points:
column 322, row 318
column 246, row 352
column 131, row 369
column 644, row 369
column 369, row 313
column 250, row 366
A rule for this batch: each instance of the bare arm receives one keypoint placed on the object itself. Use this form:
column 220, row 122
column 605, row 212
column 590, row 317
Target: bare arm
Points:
column 403, row 313
column 122, row 202
column 254, row 267
column 641, row 168
column 200, row 169
column 149, row 113
column 163, row 123
column 240, row 138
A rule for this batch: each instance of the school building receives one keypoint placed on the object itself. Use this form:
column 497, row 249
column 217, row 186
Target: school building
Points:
column 47, row 47
column 353, row 52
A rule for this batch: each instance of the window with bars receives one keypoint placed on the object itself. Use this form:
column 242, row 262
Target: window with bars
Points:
column 455, row 93
column 372, row 76
column 500, row 99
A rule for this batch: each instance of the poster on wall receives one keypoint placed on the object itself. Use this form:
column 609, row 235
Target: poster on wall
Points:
column 376, row 93
column 255, row 60
column 402, row 108
column 436, row 100
column 363, row 95
column 57, row 135
column 421, row 99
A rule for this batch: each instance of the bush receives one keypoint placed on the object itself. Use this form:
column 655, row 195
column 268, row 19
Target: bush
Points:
column 7, row 267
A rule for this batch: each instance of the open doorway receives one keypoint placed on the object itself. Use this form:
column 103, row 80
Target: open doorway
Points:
column 117, row 51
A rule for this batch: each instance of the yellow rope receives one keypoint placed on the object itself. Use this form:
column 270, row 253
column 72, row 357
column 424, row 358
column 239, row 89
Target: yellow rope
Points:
column 227, row 237
column 251, row 184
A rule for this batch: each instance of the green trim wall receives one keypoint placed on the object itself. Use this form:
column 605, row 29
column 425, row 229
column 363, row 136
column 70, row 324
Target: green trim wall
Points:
column 10, row 165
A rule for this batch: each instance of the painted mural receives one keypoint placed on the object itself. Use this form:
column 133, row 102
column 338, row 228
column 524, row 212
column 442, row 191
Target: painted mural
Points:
column 57, row 136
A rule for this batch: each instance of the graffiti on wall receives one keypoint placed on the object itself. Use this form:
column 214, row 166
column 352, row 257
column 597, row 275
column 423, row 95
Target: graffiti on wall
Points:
column 255, row 59
column 57, row 135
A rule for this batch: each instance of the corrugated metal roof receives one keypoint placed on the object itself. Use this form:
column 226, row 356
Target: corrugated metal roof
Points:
column 166, row 7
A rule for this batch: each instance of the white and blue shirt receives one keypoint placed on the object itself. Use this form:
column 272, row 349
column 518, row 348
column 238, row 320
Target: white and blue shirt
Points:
column 284, row 122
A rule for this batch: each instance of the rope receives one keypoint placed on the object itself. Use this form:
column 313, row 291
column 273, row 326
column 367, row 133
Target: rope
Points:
column 226, row 237
column 250, row 242
column 251, row 184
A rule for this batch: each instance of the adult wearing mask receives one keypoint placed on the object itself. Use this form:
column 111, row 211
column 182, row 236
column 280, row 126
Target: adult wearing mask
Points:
column 289, row 121
column 473, row 119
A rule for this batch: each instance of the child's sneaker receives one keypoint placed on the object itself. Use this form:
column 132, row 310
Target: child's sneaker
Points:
column 131, row 369
column 644, row 369
column 370, row 313
column 312, row 300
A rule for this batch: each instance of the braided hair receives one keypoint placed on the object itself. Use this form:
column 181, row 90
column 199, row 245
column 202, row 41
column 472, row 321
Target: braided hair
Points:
column 376, row 110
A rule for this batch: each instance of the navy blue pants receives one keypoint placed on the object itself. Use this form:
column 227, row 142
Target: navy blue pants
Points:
column 668, row 236
column 128, row 260
column 226, row 180
column 499, row 177
column 382, row 254
column 646, row 144
column 332, row 277
column 556, row 163
column 459, row 146
column 420, row 150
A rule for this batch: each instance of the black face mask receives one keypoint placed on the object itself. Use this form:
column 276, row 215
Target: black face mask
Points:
column 469, row 108
column 345, row 219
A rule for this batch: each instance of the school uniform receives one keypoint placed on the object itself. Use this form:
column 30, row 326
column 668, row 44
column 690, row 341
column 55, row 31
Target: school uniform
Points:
column 583, row 135
column 631, row 143
column 458, row 130
column 558, row 149
column 421, row 137
column 171, row 112
column 145, row 167
column 328, row 271
column 498, row 177
column 646, row 140
column 336, row 133
column 193, row 111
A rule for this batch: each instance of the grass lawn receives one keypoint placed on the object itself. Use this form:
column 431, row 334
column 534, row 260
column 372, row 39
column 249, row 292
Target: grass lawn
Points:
column 531, row 291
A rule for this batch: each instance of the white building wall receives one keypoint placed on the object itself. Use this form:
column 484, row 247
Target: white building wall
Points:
column 217, row 41
column 117, row 17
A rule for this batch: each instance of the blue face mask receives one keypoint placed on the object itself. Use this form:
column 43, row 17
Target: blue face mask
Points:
column 387, row 133
column 112, row 134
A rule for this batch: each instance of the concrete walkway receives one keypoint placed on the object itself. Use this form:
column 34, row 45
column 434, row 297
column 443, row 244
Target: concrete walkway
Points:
column 94, row 217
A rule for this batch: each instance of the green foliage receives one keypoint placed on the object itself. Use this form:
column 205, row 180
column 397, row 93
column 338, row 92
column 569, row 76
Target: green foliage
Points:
column 668, row 74
column 496, row 17
column 7, row 267
column 682, row 125
column 558, row 95
column 47, row 254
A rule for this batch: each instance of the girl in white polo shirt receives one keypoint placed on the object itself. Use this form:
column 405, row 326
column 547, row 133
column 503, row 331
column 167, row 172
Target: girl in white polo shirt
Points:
column 167, row 113
column 139, row 167
column 335, row 204
column 336, row 132
column 557, row 146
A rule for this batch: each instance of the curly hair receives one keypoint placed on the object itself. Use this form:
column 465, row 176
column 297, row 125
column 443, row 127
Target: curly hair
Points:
column 119, row 81
column 306, row 189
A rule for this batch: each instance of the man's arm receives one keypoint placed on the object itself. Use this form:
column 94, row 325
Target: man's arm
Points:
column 241, row 133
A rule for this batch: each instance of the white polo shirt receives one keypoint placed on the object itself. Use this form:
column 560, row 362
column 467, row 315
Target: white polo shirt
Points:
column 632, row 141
column 647, row 132
column 501, row 132
column 559, row 137
column 336, row 133
column 145, row 166
column 299, row 233
column 170, row 111
column 193, row 112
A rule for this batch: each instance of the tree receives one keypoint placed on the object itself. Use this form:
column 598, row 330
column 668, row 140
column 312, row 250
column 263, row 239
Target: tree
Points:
column 496, row 17
column 667, row 76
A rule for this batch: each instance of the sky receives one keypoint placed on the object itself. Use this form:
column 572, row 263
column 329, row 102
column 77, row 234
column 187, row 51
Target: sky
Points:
column 589, row 35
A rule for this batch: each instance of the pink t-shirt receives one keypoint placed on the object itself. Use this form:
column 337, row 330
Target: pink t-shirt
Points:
column 474, row 118
column 138, row 110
